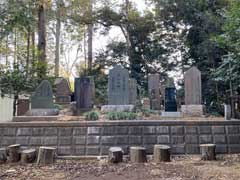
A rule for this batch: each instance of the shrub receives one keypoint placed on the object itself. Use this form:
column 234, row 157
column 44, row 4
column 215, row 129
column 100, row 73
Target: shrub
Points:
column 148, row 112
column 92, row 116
column 121, row 115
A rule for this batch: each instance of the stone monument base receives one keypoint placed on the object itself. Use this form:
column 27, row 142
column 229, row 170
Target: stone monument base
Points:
column 63, row 100
column 171, row 114
column 193, row 110
column 42, row 112
column 119, row 108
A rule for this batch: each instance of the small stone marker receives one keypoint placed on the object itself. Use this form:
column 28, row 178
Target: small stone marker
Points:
column 132, row 91
column 14, row 153
column 193, row 87
column 3, row 155
column 118, row 86
column 227, row 112
column 63, row 91
column 28, row 156
column 84, row 94
column 208, row 152
column 46, row 155
column 154, row 91
column 115, row 155
column 161, row 153
column 138, row 154
column 43, row 96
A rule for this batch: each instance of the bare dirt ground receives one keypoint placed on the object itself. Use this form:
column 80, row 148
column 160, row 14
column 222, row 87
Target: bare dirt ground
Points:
column 181, row 168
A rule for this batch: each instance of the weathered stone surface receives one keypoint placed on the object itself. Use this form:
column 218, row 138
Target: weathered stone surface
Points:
column 193, row 87
column 163, row 139
column 154, row 91
column 132, row 91
column 162, row 129
column 218, row 130
column 170, row 99
column 136, row 140
column 64, row 151
column 122, row 130
column 191, row 129
column 80, row 131
column 120, row 140
column 219, row 139
column 84, row 93
column 42, row 98
column 135, row 130
column 50, row 141
column 51, row 131
column 38, row 131
column 9, row 131
column 92, row 150
column 65, row 131
column 66, row 140
column 109, row 130
column 43, row 112
column 177, row 130
column 118, row 86
column 205, row 139
column 192, row 149
column 233, row 139
column 205, row 129
column 227, row 112
column 233, row 129
column 108, row 140
column 92, row 140
column 63, row 91
column 149, row 139
column 24, row 141
column 94, row 130
column 119, row 108
column 193, row 110
column 36, row 141
column 149, row 130
column 177, row 139
column 24, row 132
column 79, row 150
column 171, row 114
column 79, row 140
column 191, row 139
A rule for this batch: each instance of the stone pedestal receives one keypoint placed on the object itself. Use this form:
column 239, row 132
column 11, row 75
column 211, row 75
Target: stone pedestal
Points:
column 171, row 114
column 227, row 112
column 43, row 112
column 119, row 108
column 193, row 110
column 63, row 99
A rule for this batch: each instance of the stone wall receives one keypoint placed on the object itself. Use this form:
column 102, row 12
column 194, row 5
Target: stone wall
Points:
column 94, row 138
column 193, row 110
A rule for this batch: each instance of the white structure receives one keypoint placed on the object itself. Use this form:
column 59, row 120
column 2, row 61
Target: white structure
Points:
column 6, row 109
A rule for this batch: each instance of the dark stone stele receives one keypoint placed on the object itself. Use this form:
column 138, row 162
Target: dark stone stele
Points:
column 42, row 98
column 118, row 86
column 84, row 93
column 170, row 99
column 154, row 91
column 63, row 91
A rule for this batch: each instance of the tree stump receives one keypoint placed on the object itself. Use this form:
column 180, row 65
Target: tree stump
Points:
column 28, row 155
column 138, row 154
column 208, row 152
column 46, row 155
column 115, row 155
column 14, row 153
column 3, row 155
column 161, row 153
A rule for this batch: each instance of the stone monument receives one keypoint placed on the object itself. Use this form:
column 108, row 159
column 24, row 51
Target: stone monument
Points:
column 193, row 93
column 84, row 94
column 154, row 91
column 132, row 91
column 42, row 101
column 63, row 91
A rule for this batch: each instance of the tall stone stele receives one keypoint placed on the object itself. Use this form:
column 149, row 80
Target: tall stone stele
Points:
column 154, row 91
column 63, row 91
column 193, row 93
column 42, row 101
column 132, row 91
column 84, row 94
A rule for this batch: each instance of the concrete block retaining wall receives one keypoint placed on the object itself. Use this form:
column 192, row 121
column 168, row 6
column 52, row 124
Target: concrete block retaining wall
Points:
column 94, row 138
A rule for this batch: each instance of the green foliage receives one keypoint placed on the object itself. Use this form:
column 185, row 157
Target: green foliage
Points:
column 92, row 116
column 121, row 115
column 147, row 112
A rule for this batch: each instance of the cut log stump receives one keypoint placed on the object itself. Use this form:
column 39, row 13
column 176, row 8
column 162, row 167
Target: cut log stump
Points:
column 115, row 155
column 3, row 155
column 46, row 155
column 28, row 156
column 208, row 152
column 138, row 154
column 161, row 153
column 14, row 153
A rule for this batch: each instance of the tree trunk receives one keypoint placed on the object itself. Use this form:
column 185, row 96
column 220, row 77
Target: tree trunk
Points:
column 42, row 32
column 138, row 154
column 15, row 101
column 3, row 155
column 14, row 153
column 46, row 155
column 208, row 152
column 161, row 153
column 6, row 50
column 28, row 49
column 90, row 38
column 28, row 155
column 33, row 47
column 115, row 155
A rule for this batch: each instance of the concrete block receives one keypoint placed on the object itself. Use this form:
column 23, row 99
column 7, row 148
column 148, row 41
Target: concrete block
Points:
column 6, row 141
column 24, row 131
column 94, row 130
column 177, row 149
column 108, row 140
column 205, row 139
column 121, row 130
column 191, row 139
column 135, row 140
column 191, row 130
column 234, row 148
column 93, row 150
column 64, row 151
column 79, row 150
column 121, row 140
column 149, row 149
column 234, row 139
column 9, row 131
column 233, row 129
column 79, row 131
column 192, row 149
column 177, row 139
column 36, row 141
column 51, row 131
column 104, row 150
column 221, row 149
column 92, row 140
column 135, row 130
column 171, row 114
column 22, row 140
column 179, row 130
column 149, row 140
column 205, row 129
column 219, row 139
column 65, row 140
column 38, row 131
column 162, row 129
column 149, row 130
column 109, row 130
column 218, row 129
column 163, row 139
column 65, row 131
column 79, row 140
column 50, row 141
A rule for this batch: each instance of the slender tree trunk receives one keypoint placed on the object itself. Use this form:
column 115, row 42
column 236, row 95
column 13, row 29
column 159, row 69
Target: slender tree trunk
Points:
column 33, row 47
column 28, row 49
column 90, row 38
column 6, row 50
column 231, row 92
column 15, row 101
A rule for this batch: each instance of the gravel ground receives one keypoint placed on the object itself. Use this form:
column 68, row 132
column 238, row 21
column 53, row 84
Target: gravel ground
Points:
column 180, row 168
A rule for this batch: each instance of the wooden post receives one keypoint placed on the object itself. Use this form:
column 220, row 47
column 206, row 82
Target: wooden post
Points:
column 28, row 155
column 161, row 153
column 46, row 155
column 138, row 154
column 208, row 152
column 3, row 155
column 14, row 153
column 115, row 155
